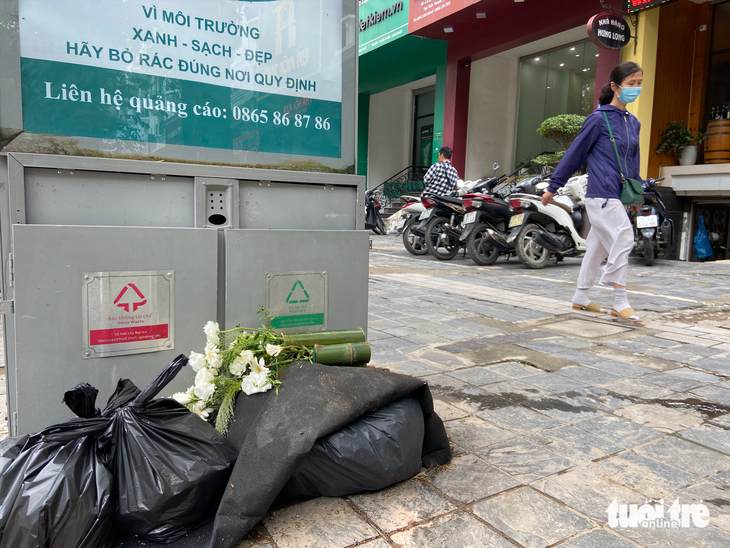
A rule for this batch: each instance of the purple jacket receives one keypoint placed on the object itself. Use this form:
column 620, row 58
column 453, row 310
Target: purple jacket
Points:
column 594, row 145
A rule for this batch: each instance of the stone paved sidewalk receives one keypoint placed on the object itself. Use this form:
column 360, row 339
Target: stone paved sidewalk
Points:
column 552, row 414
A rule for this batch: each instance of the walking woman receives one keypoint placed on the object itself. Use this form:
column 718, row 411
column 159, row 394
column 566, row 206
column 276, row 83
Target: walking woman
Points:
column 611, row 235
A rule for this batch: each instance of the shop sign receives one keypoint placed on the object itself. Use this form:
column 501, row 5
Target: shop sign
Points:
column 198, row 73
column 297, row 301
column 632, row 6
column 380, row 22
column 609, row 31
column 425, row 12
column 128, row 312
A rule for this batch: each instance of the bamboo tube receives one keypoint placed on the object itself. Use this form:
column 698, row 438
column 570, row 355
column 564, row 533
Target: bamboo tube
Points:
column 310, row 338
column 342, row 354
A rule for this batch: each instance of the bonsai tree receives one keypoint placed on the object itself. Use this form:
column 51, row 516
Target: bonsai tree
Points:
column 677, row 137
column 562, row 129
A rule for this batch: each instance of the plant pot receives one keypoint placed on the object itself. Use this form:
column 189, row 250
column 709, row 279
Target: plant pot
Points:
column 689, row 156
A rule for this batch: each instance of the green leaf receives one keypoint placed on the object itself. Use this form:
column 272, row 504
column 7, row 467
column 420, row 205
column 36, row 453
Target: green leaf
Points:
column 562, row 129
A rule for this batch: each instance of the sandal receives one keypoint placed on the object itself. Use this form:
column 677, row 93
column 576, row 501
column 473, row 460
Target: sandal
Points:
column 626, row 314
column 592, row 307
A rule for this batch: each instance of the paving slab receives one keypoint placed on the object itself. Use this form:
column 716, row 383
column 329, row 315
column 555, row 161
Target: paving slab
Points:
column 319, row 522
column 518, row 419
column 562, row 409
column 600, row 398
column 516, row 391
column 597, row 538
column 647, row 476
column 555, row 383
column 574, row 444
column 622, row 432
column 709, row 436
column 686, row 456
column 585, row 328
column 468, row 478
column 635, row 388
column 713, row 393
column 530, row 518
column 663, row 419
column 524, row 461
column 474, row 433
column 402, row 505
column 457, row 530
column 478, row 376
column 587, row 492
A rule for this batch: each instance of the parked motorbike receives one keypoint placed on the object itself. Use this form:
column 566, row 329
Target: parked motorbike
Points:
column 490, row 212
column 653, row 231
column 540, row 232
column 412, row 209
column 414, row 231
column 373, row 221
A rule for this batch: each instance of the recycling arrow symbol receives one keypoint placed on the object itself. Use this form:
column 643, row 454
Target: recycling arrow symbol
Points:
column 299, row 295
column 130, row 300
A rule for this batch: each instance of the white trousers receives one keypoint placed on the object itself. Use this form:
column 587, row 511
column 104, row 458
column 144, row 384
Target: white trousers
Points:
column 611, row 237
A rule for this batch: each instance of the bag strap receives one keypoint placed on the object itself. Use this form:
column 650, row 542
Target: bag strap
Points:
column 615, row 148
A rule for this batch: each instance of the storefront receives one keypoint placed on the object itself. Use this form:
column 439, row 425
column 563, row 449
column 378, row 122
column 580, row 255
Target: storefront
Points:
column 693, row 86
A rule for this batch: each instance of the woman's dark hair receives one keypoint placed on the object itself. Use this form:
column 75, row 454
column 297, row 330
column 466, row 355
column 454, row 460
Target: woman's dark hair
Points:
column 618, row 75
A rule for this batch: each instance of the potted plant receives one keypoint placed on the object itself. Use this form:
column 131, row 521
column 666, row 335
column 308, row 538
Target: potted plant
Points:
column 680, row 142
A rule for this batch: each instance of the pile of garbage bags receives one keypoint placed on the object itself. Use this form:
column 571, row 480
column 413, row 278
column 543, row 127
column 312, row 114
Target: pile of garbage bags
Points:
column 148, row 470
column 145, row 465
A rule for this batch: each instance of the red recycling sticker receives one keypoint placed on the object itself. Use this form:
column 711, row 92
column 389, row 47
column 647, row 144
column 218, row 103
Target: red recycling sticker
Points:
column 130, row 300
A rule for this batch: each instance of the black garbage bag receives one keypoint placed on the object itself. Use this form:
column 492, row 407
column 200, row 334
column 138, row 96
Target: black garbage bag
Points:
column 55, row 488
column 377, row 450
column 170, row 467
column 81, row 399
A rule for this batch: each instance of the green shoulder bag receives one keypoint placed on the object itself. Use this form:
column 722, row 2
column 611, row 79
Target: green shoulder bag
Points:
column 632, row 191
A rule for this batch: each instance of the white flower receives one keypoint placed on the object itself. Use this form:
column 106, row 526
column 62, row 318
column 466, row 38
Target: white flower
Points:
column 201, row 410
column 238, row 367
column 259, row 368
column 248, row 357
column 184, row 397
column 212, row 356
column 273, row 349
column 252, row 384
column 211, row 332
column 197, row 361
column 204, row 387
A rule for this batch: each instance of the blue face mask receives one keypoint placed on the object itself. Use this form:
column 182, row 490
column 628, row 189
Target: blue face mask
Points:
column 629, row 95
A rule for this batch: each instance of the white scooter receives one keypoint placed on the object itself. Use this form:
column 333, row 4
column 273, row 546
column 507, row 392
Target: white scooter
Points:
column 556, row 230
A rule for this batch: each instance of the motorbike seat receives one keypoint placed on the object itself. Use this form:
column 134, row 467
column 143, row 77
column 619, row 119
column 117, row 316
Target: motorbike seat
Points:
column 450, row 200
column 577, row 219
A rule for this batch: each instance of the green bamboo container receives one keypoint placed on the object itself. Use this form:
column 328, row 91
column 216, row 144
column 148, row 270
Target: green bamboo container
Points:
column 337, row 336
column 342, row 354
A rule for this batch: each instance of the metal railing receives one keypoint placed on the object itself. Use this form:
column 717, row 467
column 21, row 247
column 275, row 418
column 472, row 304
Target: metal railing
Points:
column 406, row 181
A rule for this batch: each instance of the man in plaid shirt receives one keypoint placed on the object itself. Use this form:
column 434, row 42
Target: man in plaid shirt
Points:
column 440, row 179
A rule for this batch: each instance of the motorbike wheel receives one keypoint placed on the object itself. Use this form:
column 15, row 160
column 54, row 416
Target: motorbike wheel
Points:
column 381, row 226
column 442, row 248
column 413, row 244
column 480, row 250
column 530, row 253
column 648, row 252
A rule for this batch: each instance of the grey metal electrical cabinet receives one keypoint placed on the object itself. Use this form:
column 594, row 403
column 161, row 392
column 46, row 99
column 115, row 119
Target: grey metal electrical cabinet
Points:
column 211, row 243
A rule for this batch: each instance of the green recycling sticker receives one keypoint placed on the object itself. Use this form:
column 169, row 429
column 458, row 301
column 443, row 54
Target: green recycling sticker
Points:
column 297, row 300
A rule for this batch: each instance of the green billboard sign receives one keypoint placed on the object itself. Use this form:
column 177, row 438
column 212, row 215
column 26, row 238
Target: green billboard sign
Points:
column 380, row 22
column 215, row 74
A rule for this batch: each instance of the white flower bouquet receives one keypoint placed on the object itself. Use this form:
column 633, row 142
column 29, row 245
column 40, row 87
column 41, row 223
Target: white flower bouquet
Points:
column 240, row 359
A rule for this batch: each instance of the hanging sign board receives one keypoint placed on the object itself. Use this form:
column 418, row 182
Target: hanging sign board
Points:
column 128, row 312
column 632, row 6
column 609, row 31
column 297, row 301
column 380, row 22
